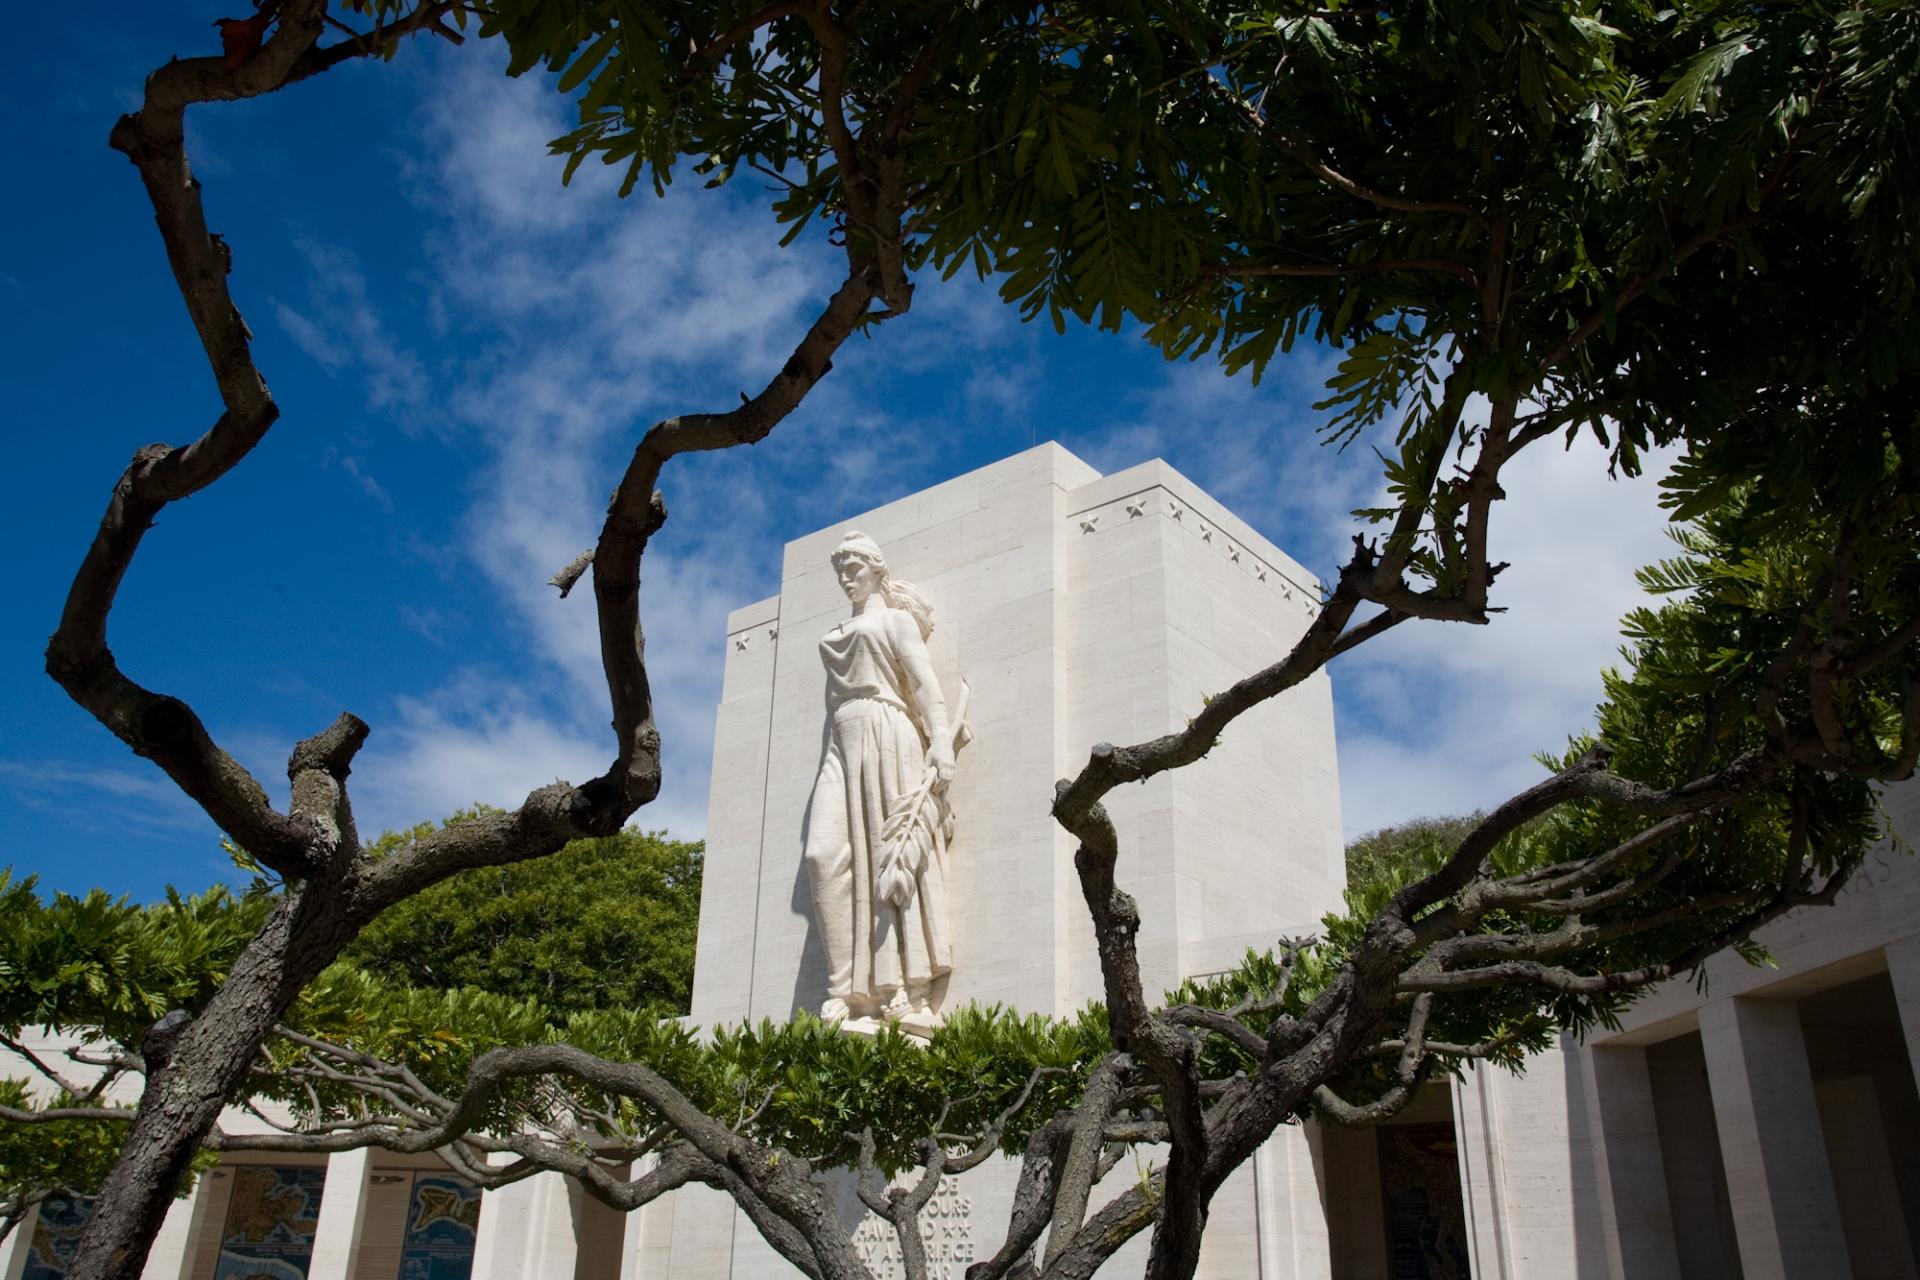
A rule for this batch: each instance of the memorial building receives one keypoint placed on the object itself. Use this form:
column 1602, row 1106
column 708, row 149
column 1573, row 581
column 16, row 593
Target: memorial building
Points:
column 1759, row 1126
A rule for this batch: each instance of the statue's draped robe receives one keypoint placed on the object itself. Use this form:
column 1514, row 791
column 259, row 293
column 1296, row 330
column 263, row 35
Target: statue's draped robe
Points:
column 876, row 760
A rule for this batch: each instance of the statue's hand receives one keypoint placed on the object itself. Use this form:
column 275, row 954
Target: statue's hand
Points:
column 940, row 760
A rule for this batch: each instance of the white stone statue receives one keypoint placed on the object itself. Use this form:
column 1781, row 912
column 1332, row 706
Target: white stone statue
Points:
column 879, row 825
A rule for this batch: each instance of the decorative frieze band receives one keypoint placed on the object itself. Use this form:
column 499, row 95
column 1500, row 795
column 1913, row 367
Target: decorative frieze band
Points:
column 756, row 635
column 1153, row 501
column 1158, row 501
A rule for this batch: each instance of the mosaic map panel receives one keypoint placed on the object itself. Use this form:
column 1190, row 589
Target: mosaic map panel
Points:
column 56, row 1234
column 440, row 1230
column 270, row 1223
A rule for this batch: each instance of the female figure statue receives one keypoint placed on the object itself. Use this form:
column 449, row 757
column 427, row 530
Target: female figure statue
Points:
column 876, row 842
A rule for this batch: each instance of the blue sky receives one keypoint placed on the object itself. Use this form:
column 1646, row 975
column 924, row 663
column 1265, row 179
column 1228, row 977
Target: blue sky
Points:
column 463, row 352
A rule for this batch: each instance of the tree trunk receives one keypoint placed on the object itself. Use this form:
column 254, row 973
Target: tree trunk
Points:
column 1175, row 1251
column 193, row 1068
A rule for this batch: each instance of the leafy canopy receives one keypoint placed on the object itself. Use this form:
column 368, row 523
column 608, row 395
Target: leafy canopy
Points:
column 603, row 924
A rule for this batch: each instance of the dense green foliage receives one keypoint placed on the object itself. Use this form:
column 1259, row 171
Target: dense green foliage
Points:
column 40, row 1161
column 494, row 956
column 804, row 1085
column 93, row 963
column 603, row 924
column 539, row 930
column 108, row 965
column 104, row 968
column 1393, row 855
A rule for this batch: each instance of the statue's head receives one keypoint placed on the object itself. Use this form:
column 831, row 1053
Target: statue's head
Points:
column 860, row 566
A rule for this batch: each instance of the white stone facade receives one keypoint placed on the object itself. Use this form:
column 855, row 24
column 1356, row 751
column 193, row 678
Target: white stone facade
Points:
column 1080, row 609
column 1762, row 1126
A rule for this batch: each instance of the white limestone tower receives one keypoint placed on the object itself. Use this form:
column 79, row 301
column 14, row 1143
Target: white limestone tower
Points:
column 1079, row 608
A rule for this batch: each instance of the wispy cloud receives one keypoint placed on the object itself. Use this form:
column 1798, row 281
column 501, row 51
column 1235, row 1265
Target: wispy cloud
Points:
column 339, row 327
column 582, row 318
column 143, row 799
column 476, row 739
column 357, row 471
column 1444, row 718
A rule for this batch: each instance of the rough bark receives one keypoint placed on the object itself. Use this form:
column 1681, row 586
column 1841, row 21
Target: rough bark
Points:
column 192, row 1071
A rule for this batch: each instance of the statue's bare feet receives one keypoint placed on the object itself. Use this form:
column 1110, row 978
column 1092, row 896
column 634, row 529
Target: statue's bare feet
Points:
column 898, row 1005
column 855, row 1015
column 920, row 1019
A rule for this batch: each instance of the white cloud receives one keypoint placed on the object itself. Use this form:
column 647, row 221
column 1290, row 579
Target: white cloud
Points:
column 342, row 325
column 1445, row 718
column 475, row 740
column 581, row 319
column 485, row 148
column 145, row 799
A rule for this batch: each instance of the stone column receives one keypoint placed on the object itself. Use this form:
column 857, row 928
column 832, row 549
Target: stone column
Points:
column 599, row 1235
column 1636, row 1220
column 13, row 1250
column 1785, row 1213
column 1356, row 1220
column 646, row 1245
column 1476, row 1126
column 1290, row 1206
column 1903, row 966
column 526, row 1231
column 343, row 1208
column 178, row 1244
column 496, row 1242
column 1864, row 1177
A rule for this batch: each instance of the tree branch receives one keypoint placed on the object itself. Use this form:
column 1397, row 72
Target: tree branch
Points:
column 1355, row 636
column 1073, row 1177
column 1632, row 291
column 1326, row 172
column 764, row 16
column 163, row 728
column 1376, row 267
column 72, row 1088
column 52, row 1115
column 1428, row 978
column 318, row 770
